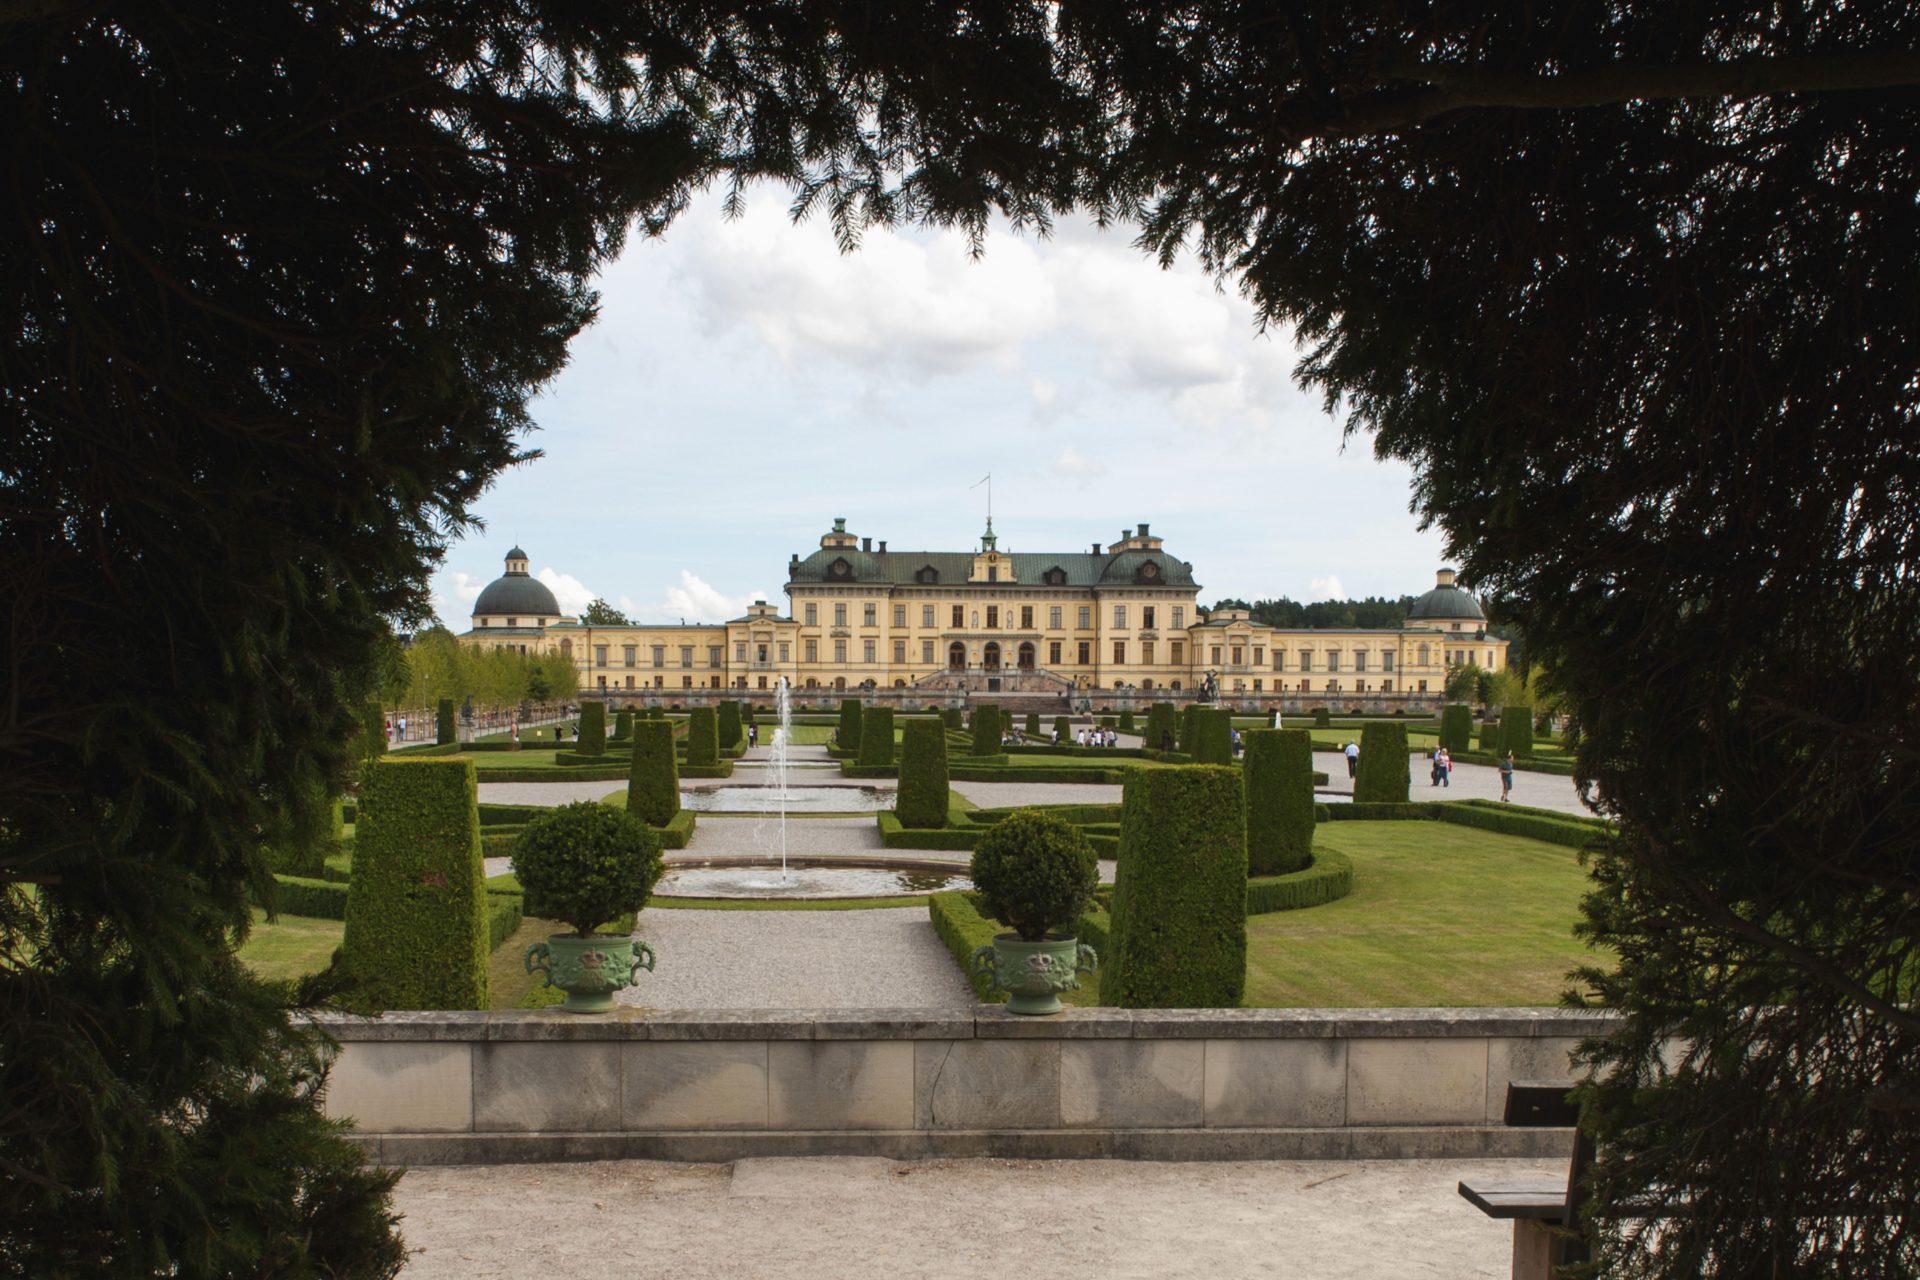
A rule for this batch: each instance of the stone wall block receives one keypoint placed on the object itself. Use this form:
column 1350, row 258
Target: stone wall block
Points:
column 1532, row 1061
column 715, row 1085
column 1258, row 1083
column 840, row 1084
column 986, row 1084
column 546, row 1086
column 1132, row 1084
column 1413, row 1081
column 397, row 1087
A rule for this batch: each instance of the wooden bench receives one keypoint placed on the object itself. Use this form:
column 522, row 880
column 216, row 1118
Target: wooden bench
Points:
column 1545, row 1212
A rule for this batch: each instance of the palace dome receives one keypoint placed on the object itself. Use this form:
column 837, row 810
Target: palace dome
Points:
column 1446, row 602
column 516, row 594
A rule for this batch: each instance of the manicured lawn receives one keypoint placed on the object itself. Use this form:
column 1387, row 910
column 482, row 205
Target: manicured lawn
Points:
column 291, row 946
column 800, row 735
column 1439, row 915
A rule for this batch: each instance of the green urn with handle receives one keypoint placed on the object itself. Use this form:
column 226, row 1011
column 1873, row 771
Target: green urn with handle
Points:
column 587, row 865
column 1035, row 873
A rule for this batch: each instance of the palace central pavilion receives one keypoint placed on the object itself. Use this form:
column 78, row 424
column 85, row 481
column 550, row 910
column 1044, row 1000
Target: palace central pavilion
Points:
column 1119, row 618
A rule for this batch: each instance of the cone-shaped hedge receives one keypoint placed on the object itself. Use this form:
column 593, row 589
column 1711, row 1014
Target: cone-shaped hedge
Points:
column 1278, row 773
column 653, row 779
column 1126, row 722
column 986, row 730
column 1456, row 727
column 922, row 797
column 1032, row 726
column 1516, row 732
column 623, row 726
column 1384, row 774
column 1188, row 715
column 850, row 725
column 592, row 738
column 1212, row 736
column 443, row 730
column 416, row 920
column 1161, row 721
column 731, row 731
column 703, row 736
column 876, row 737
column 1179, row 937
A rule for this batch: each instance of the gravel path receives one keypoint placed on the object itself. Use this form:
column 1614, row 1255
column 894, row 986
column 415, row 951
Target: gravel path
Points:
column 852, row 1218
column 555, row 793
column 797, row 960
column 998, row 795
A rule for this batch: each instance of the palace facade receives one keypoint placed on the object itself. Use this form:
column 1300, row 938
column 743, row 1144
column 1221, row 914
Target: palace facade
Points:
column 1118, row 621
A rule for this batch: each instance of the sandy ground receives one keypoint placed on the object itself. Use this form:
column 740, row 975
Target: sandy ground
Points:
column 847, row 1218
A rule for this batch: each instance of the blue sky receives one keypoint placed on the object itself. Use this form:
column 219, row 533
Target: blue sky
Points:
column 745, row 383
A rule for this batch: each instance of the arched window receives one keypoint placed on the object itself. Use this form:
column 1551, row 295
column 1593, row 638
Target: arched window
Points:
column 1420, row 655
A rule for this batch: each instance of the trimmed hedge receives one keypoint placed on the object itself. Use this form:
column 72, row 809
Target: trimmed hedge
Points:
column 876, row 737
column 1329, row 879
column 1539, row 764
column 986, row 730
column 732, row 731
column 416, row 930
column 1489, row 737
column 952, row 718
column 1387, row 811
column 305, row 896
column 1160, row 722
column 653, row 782
column 1031, row 725
column 961, row 925
column 503, row 918
column 850, row 725
column 1278, row 772
column 429, row 749
column 1384, row 774
column 1322, row 718
column 1180, row 899
column 967, row 770
column 1212, row 736
column 1571, row 832
column 1063, row 730
column 1456, row 728
column 953, row 836
column 443, row 730
column 1188, row 715
column 677, row 831
column 623, row 725
column 1126, row 722
column 922, row 798
column 703, row 737
column 722, row 770
column 1516, row 732
column 496, row 815
column 591, row 740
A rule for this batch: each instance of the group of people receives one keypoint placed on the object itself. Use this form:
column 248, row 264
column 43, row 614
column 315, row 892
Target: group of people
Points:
column 1094, row 737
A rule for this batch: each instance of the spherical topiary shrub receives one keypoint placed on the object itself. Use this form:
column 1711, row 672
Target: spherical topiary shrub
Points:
column 586, row 864
column 1035, row 873
column 1032, row 726
column 922, row 798
column 1383, row 775
column 592, row 738
column 1456, row 727
column 703, row 737
column 1516, row 732
column 850, row 725
column 876, row 738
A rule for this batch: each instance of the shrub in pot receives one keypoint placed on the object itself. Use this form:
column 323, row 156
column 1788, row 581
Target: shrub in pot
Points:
column 1035, row 873
column 587, row 865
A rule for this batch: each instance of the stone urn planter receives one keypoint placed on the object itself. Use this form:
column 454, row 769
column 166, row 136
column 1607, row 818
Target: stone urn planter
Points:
column 1033, row 974
column 1035, row 873
column 588, row 865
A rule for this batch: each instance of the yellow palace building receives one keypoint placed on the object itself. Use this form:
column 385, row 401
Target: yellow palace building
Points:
column 1114, row 625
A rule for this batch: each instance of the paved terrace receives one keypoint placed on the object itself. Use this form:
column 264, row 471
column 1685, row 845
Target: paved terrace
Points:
column 849, row 1218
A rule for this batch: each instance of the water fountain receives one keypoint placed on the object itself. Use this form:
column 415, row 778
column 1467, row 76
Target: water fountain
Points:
column 782, row 732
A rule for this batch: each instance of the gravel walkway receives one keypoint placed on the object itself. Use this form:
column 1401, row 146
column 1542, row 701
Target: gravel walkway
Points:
column 555, row 793
column 796, row 960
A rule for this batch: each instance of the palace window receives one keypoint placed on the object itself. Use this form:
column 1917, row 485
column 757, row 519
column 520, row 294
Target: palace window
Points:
column 1119, row 652
column 900, row 652
column 1216, row 655
column 1086, row 617
column 1306, row 661
column 1146, row 653
column 686, row 655
column 993, row 616
column 1386, row 686
column 786, row 650
column 1086, row 653
column 926, row 652
column 603, row 682
column 959, row 616
column 1239, row 655
column 1259, row 655
column 686, row 682
column 1420, row 656
column 1053, row 653
column 870, row 614
column 993, row 574
column 713, row 654
column 1333, row 659
column 1179, row 655
column 1279, row 659
column 813, row 614
column 1146, row 617
column 627, row 652
column 1359, row 659
column 866, row 652
column 1053, row 617
column 840, row 614
column 1386, row 659
column 629, row 682
column 1026, row 617
column 813, row 651
column 840, row 651
column 899, row 615
column 926, row 615
column 1256, row 686
column 1119, row 617
column 740, row 651
column 1179, row 616
column 599, row 655
column 513, row 622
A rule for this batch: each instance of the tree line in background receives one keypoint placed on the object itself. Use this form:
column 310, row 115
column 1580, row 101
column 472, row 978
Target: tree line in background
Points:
column 1372, row 613
column 436, row 665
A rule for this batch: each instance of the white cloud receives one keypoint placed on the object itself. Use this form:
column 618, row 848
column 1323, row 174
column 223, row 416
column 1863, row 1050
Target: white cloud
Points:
column 1045, row 392
column 1328, row 588
column 466, row 587
column 573, row 594
column 693, row 600
column 1071, row 464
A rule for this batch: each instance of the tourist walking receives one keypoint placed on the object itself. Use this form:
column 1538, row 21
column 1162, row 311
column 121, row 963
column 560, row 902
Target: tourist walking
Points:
column 1506, row 777
column 1353, row 758
column 1433, row 767
column 753, row 735
column 1446, row 768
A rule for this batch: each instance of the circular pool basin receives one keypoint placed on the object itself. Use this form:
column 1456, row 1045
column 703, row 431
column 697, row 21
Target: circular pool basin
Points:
column 837, row 880
column 771, row 800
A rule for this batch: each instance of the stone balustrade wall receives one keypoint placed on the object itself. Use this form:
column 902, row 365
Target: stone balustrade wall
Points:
column 449, row 1088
